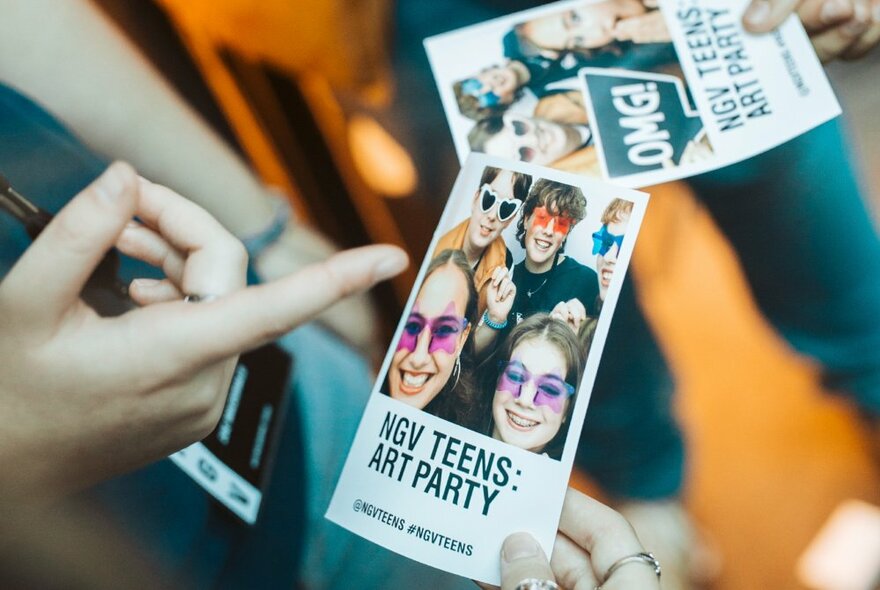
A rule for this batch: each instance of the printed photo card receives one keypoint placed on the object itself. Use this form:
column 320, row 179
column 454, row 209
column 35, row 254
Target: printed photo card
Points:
column 635, row 91
column 472, row 426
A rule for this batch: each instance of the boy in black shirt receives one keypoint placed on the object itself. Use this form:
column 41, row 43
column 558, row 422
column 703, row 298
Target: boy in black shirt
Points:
column 547, row 280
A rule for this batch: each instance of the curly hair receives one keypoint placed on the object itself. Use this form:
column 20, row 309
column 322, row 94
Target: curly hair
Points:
column 559, row 198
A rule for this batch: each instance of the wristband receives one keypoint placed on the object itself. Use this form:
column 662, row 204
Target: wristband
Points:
column 491, row 324
column 257, row 243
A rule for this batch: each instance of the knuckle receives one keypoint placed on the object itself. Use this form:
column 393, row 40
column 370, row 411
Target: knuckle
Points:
column 574, row 575
column 68, row 233
column 206, row 407
column 232, row 252
column 615, row 524
column 275, row 330
column 210, row 419
column 238, row 254
column 336, row 283
column 9, row 299
column 234, row 260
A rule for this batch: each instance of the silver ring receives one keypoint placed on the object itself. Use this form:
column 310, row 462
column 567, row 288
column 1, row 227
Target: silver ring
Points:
column 645, row 558
column 537, row 584
column 191, row 298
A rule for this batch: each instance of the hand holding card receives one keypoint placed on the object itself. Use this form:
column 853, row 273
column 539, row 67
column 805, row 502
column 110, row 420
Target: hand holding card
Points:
column 471, row 419
column 846, row 29
column 593, row 544
column 654, row 91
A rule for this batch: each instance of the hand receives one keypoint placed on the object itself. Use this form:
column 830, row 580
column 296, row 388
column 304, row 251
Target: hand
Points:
column 646, row 28
column 500, row 295
column 837, row 28
column 354, row 318
column 591, row 538
column 572, row 312
column 697, row 150
column 82, row 397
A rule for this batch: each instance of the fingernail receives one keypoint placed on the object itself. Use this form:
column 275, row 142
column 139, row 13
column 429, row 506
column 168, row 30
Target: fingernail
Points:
column 519, row 546
column 391, row 265
column 758, row 13
column 834, row 11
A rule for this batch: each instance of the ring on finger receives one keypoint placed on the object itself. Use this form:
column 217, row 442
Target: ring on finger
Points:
column 643, row 558
column 193, row 298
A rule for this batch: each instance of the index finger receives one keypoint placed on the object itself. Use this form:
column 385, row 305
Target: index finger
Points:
column 216, row 261
column 561, row 307
column 498, row 275
column 575, row 307
column 599, row 530
column 838, row 40
column 250, row 317
column 571, row 565
column 869, row 39
column 762, row 16
column 819, row 15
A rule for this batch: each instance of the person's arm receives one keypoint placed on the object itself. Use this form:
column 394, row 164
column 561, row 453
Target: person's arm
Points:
column 845, row 29
column 83, row 397
column 500, row 295
column 70, row 58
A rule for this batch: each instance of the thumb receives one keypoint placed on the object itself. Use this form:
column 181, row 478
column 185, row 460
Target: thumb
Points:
column 57, row 265
column 523, row 559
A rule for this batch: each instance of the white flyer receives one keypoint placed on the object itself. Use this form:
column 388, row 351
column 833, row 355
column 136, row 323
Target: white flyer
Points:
column 635, row 91
column 472, row 426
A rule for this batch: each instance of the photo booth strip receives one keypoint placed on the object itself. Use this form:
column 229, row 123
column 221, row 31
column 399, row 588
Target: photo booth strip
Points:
column 751, row 92
column 446, row 494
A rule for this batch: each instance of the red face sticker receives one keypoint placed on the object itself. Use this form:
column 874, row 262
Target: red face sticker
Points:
column 542, row 218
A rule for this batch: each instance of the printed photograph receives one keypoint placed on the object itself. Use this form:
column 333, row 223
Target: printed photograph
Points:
column 498, row 334
column 526, row 101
